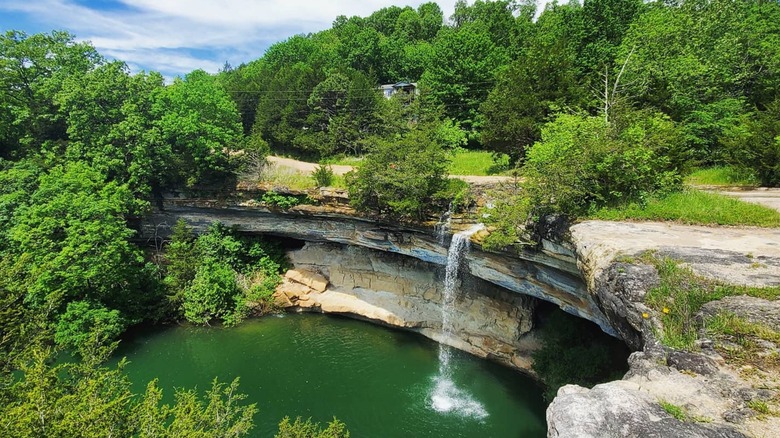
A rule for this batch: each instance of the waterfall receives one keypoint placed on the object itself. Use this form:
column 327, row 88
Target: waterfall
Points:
column 444, row 226
column 446, row 397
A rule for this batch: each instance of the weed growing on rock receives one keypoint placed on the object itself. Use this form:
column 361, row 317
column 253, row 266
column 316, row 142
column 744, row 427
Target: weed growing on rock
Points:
column 682, row 293
column 675, row 411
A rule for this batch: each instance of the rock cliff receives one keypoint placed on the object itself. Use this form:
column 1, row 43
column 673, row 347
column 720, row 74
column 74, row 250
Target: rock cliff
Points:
column 400, row 291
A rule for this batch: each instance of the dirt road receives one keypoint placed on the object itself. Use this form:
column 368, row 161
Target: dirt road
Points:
column 304, row 167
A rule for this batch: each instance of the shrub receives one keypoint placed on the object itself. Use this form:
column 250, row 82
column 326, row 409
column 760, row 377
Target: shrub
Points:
column 84, row 323
column 754, row 144
column 401, row 177
column 582, row 163
column 323, row 175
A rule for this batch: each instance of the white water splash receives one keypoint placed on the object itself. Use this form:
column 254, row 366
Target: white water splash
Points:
column 446, row 397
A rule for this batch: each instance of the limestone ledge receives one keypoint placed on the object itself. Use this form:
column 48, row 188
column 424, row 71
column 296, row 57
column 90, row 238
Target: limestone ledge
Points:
column 715, row 395
column 549, row 272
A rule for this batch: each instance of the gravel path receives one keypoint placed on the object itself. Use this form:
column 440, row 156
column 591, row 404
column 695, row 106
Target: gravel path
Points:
column 769, row 197
column 304, row 167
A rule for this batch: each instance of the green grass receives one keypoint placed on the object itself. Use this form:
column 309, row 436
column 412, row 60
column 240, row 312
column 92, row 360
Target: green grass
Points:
column 695, row 207
column 722, row 176
column 681, row 294
column 344, row 160
column 478, row 163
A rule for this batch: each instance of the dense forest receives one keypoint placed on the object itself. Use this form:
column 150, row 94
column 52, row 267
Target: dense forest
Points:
column 600, row 103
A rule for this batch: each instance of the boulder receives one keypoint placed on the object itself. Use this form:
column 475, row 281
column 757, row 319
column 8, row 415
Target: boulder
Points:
column 616, row 410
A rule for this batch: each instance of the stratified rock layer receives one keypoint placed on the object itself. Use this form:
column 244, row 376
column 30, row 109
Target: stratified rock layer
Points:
column 404, row 292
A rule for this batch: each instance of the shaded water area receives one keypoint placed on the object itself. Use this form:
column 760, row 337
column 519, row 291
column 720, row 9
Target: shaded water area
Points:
column 377, row 380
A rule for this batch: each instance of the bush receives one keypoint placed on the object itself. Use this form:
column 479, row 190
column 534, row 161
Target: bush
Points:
column 583, row 163
column 212, row 294
column 221, row 274
column 401, row 178
column 323, row 175
column 754, row 144
column 84, row 323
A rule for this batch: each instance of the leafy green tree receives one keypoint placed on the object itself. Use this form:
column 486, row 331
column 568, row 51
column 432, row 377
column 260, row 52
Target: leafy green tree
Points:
column 200, row 122
column 308, row 429
column 73, row 237
column 461, row 72
column 581, row 163
column 212, row 294
column 32, row 71
column 533, row 87
column 87, row 399
column 753, row 144
column 402, row 177
column 110, row 125
column 83, row 320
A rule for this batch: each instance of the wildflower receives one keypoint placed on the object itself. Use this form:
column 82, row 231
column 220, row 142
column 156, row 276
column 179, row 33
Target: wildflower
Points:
column 645, row 315
column 665, row 310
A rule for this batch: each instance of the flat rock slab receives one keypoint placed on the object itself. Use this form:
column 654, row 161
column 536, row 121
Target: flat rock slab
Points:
column 737, row 255
column 616, row 410
column 755, row 310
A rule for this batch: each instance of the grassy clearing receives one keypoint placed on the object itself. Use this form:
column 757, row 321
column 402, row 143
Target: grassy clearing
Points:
column 478, row 163
column 680, row 295
column 695, row 207
column 283, row 177
column 344, row 160
column 722, row 176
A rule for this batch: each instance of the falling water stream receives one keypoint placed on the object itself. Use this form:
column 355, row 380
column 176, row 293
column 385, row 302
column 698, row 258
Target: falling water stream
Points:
column 446, row 396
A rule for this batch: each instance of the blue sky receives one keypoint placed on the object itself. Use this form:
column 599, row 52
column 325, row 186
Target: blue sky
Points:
column 178, row 36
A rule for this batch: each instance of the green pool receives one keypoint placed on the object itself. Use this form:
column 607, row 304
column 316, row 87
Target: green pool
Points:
column 381, row 382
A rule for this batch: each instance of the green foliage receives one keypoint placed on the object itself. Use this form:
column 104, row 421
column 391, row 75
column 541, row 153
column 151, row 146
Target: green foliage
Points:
column 73, row 237
column 213, row 294
column 285, row 202
column 576, row 351
column 754, row 144
column 308, row 429
column 674, row 410
column 323, row 175
column 220, row 274
column 505, row 217
column 83, row 320
column 400, row 178
column 86, row 399
column 582, row 163
column 199, row 121
column 694, row 207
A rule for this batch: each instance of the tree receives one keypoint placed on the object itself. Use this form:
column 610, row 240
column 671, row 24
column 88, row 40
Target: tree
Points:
column 83, row 320
column 110, row 125
column 753, row 144
column 32, row 71
column 463, row 65
column 200, row 122
column 73, row 238
column 532, row 88
column 401, row 177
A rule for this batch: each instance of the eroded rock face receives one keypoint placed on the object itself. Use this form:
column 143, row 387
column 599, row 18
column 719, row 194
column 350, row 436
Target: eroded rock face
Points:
column 405, row 292
column 549, row 272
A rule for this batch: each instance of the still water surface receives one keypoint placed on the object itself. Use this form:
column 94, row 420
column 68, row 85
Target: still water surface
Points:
column 381, row 382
